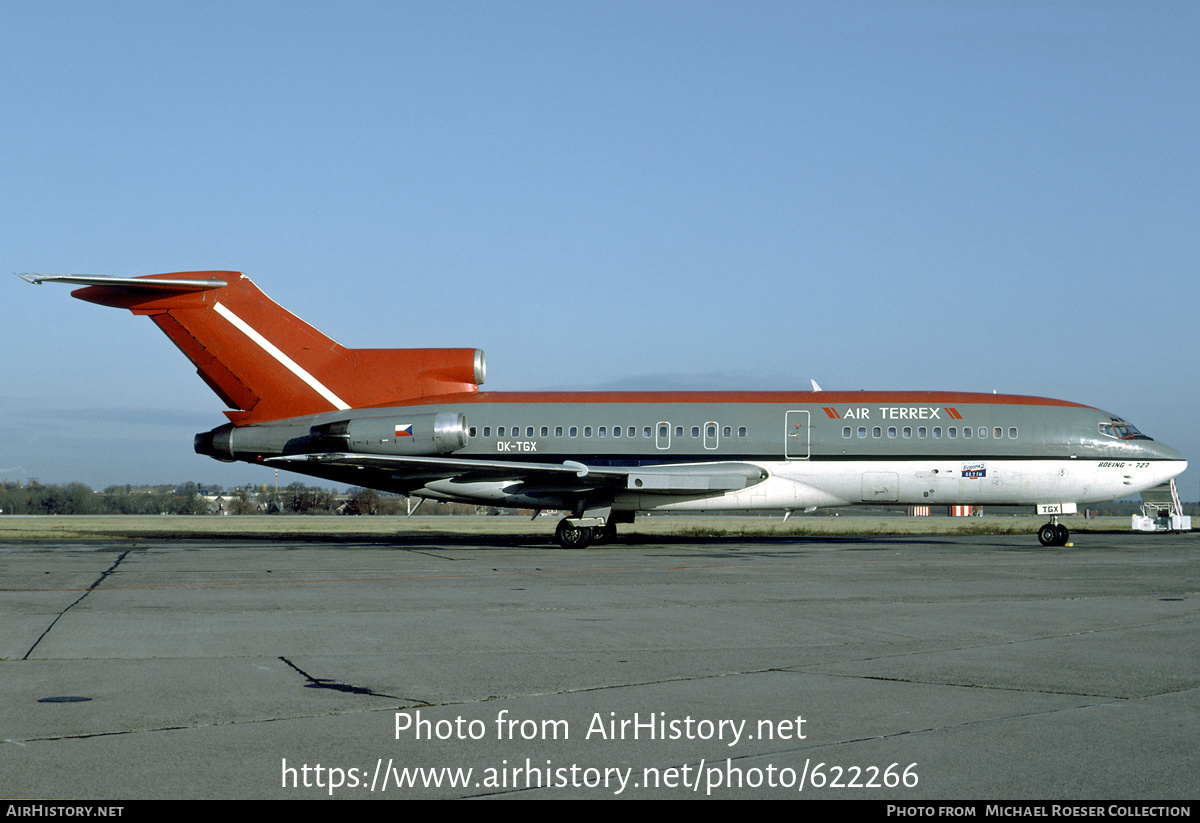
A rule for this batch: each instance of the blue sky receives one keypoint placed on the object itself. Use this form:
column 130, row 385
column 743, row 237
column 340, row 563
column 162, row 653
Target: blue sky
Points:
column 880, row 195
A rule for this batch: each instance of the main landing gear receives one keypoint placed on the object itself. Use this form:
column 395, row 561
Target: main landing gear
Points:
column 579, row 533
column 1054, row 534
column 570, row 536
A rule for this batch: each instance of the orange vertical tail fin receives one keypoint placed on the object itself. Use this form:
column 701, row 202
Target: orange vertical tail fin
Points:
column 262, row 360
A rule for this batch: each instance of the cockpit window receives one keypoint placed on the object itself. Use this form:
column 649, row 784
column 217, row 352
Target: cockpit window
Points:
column 1121, row 430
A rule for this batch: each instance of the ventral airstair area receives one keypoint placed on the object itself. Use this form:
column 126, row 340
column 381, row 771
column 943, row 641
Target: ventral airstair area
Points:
column 1161, row 511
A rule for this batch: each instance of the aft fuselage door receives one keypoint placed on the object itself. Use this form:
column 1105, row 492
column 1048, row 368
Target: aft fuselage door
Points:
column 795, row 435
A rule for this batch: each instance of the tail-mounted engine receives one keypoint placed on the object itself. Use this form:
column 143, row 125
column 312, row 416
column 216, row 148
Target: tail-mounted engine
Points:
column 413, row 434
column 399, row 434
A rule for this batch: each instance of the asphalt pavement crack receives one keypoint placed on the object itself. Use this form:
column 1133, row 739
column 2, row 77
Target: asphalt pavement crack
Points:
column 332, row 685
column 104, row 574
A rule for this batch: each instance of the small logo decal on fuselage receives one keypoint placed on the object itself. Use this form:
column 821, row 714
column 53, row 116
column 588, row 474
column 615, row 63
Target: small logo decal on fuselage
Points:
column 974, row 470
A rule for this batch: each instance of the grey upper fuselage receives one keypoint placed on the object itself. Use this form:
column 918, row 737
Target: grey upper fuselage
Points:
column 670, row 427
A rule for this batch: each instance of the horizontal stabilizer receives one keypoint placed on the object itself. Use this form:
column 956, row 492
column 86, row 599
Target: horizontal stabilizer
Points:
column 134, row 283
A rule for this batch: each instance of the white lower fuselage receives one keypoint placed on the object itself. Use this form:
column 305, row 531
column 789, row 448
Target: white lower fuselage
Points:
column 801, row 485
column 797, row 485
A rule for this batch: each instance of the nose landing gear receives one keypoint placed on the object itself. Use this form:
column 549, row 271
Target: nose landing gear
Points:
column 1054, row 534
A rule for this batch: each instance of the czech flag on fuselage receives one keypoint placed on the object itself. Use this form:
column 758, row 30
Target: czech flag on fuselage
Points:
column 404, row 430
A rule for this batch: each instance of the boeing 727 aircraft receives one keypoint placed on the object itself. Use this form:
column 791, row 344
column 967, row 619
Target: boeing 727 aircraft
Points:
column 413, row 421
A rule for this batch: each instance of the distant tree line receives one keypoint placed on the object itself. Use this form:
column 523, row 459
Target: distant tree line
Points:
column 193, row 498
column 300, row 499
column 76, row 498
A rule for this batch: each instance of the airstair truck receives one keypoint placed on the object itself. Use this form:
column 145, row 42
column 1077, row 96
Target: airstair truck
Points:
column 1162, row 511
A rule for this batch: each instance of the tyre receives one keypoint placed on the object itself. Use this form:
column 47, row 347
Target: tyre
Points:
column 572, row 537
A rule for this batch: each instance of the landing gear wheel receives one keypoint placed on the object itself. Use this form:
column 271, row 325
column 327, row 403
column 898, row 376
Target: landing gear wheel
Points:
column 572, row 537
column 605, row 534
column 1054, row 534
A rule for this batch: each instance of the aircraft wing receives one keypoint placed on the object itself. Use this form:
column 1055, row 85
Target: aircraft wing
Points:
column 682, row 478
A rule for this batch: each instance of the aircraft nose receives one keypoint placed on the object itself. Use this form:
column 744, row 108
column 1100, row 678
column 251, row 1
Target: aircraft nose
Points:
column 1161, row 451
column 1170, row 463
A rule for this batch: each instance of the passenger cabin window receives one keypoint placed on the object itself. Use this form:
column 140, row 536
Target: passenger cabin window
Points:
column 847, row 431
column 487, row 431
column 646, row 431
column 602, row 431
column 695, row 431
column 728, row 431
column 545, row 431
column 574, row 431
column 891, row 431
column 862, row 431
column 679, row 431
column 877, row 432
column 967, row 432
column 997, row 432
column 1012, row 433
column 741, row 431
